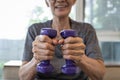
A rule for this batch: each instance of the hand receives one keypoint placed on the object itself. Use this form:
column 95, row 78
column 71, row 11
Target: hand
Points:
column 43, row 48
column 73, row 48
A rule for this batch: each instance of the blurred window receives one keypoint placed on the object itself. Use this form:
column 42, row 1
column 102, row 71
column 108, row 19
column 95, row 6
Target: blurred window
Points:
column 104, row 15
column 16, row 16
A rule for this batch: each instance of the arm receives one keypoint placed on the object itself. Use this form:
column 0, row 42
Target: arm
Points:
column 42, row 50
column 74, row 49
column 28, row 70
column 94, row 68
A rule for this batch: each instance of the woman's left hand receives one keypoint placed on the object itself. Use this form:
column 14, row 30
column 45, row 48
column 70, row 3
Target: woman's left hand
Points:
column 73, row 48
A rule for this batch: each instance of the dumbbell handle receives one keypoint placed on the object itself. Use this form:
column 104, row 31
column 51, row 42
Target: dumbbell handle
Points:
column 69, row 68
column 44, row 66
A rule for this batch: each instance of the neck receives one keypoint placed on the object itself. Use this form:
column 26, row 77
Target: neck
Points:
column 60, row 23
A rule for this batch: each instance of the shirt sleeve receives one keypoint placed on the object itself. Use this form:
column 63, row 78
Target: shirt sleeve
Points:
column 27, row 53
column 92, row 45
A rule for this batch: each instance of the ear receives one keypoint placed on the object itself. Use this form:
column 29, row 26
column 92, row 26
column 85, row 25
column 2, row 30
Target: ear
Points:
column 46, row 3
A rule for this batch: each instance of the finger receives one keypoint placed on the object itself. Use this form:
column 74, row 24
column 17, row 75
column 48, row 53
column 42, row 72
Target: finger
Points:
column 73, row 52
column 75, row 46
column 55, row 41
column 43, row 45
column 73, row 40
column 76, row 59
column 46, row 52
column 43, row 38
column 61, row 41
column 40, row 58
column 46, row 46
column 34, row 43
column 42, row 52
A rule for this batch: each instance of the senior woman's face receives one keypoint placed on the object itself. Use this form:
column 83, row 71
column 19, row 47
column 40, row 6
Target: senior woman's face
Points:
column 60, row 8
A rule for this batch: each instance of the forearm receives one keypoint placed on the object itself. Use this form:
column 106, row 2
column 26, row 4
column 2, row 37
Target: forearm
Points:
column 28, row 71
column 93, row 68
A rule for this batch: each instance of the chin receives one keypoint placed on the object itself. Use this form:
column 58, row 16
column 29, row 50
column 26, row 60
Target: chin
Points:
column 61, row 15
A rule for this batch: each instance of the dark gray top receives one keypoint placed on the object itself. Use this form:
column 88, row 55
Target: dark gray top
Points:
column 84, row 30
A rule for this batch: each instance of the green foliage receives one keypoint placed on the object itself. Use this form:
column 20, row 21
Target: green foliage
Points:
column 107, row 14
column 36, row 14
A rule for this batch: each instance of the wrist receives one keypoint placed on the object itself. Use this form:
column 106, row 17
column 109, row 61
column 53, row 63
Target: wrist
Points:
column 34, row 61
column 80, row 59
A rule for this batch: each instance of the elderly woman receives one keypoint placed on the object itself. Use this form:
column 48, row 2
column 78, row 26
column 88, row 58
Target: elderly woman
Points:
column 82, row 49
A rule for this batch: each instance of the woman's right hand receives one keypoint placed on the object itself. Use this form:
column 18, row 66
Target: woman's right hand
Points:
column 43, row 48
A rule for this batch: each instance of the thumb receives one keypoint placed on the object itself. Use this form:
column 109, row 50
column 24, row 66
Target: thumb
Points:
column 55, row 41
column 61, row 41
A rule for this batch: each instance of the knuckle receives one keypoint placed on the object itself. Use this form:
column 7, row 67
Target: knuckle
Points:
column 47, row 52
column 67, row 45
column 33, row 43
column 42, row 38
column 82, row 46
column 33, row 50
column 69, row 56
column 82, row 52
column 37, row 38
column 53, row 48
column 67, row 51
column 50, row 57
column 46, row 57
column 47, row 45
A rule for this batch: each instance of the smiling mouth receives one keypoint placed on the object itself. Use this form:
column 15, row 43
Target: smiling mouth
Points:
column 61, row 6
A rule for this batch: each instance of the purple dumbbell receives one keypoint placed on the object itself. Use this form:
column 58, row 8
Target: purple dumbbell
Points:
column 69, row 68
column 44, row 66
